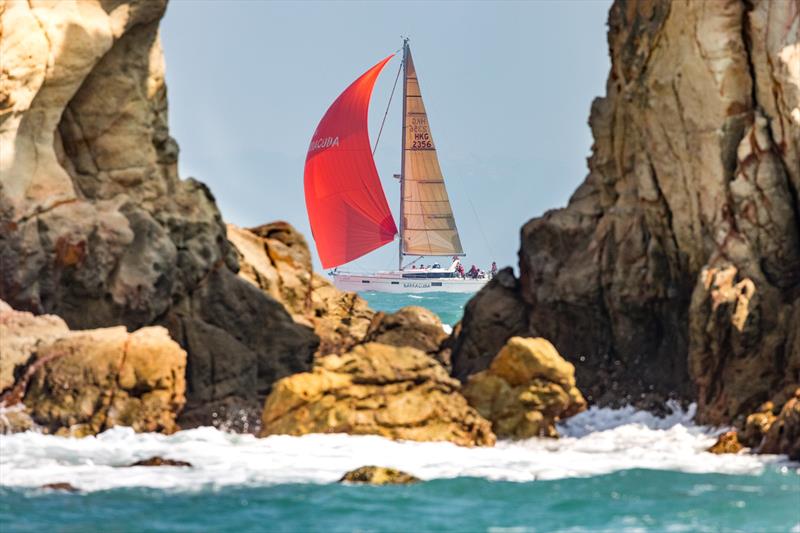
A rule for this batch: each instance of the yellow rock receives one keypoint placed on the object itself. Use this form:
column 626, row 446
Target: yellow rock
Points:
column 395, row 392
column 526, row 390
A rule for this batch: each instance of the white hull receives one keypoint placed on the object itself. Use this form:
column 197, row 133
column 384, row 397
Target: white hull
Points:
column 395, row 282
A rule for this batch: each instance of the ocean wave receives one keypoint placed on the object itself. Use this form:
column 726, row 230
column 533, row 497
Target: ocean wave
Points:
column 596, row 442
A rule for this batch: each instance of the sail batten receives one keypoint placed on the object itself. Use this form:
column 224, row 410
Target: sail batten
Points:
column 346, row 204
column 427, row 223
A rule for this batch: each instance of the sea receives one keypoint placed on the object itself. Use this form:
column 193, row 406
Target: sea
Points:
column 614, row 470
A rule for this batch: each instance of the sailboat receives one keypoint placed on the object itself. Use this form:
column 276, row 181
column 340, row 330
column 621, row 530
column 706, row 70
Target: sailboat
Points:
column 347, row 206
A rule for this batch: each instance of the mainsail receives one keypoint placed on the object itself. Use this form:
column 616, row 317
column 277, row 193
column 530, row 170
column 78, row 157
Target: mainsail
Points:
column 427, row 223
column 345, row 201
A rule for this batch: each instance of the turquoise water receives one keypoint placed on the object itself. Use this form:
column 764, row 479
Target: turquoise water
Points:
column 449, row 306
column 633, row 500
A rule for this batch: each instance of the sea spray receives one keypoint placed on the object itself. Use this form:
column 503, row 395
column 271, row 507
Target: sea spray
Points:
column 597, row 442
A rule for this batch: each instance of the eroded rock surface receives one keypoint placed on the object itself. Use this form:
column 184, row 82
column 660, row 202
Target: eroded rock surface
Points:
column 399, row 393
column 526, row 391
column 411, row 326
column 83, row 382
column 275, row 258
column 674, row 271
column 783, row 435
column 95, row 224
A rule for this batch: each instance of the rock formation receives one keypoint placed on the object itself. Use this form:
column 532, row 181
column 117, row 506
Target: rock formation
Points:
column 376, row 389
column 276, row 259
column 674, row 271
column 783, row 435
column 378, row 475
column 411, row 326
column 82, row 382
column 526, row 390
column 95, row 224
column 728, row 442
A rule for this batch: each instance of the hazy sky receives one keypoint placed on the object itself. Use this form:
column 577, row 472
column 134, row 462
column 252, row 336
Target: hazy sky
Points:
column 507, row 85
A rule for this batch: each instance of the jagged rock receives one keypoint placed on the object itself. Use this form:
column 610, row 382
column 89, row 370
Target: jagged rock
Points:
column 491, row 317
column 728, row 442
column 526, row 390
column 82, row 382
column 411, row 326
column 97, row 379
column 783, row 435
column 378, row 475
column 757, row 424
column 20, row 333
column 95, row 224
column 674, row 271
column 399, row 393
column 160, row 461
column 276, row 259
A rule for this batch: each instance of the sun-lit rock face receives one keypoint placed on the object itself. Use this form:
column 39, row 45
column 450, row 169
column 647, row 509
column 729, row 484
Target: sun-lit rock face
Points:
column 526, row 390
column 83, row 382
column 95, row 224
column 375, row 389
column 674, row 271
column 275, row 258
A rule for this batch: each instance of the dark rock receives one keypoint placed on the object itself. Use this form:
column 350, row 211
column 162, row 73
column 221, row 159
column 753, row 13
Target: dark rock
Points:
column 160, row 461
column 672, row 271
column 411, row 326
column 63, row 486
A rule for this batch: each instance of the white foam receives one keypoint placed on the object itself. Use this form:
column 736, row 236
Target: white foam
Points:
column 596, row 442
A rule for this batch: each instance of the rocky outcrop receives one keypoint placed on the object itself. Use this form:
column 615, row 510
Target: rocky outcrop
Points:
column 411, row 326
column 674, row 271
column 275, row 258
column 83, row 382
column 526, row 391
column 375, row 389
column 728, row 442
column 95, row 224
column 157, row 460
column 783, row 435
column 378, row 475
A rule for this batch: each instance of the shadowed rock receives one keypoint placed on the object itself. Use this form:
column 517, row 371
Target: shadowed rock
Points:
column 160, row 461
column 673, row 270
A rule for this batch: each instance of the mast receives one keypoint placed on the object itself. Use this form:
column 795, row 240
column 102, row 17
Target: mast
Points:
column 403, row 156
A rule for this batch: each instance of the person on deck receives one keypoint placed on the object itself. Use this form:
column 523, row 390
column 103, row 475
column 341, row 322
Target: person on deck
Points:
column 473, row 272
column 494, row 269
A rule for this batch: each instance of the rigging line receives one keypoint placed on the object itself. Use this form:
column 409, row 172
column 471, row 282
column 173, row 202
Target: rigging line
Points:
column 387, row 108
column 465, row 188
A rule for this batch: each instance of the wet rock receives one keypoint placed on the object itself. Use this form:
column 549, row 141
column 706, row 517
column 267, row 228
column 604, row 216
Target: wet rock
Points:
column 394, row 392
column 526, row 390
column 378, row 475
column 757, row 425
column 728, row 442
column 783, row 435
column 63, row 486
column 160, row 461
column 15, row 420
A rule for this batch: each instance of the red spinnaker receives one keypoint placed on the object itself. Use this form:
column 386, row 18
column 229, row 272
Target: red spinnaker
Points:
column 345, row 201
